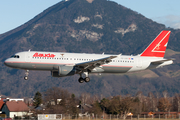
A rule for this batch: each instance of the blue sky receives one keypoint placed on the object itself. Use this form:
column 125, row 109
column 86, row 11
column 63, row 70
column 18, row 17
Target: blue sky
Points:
column 161, row 11
column 13, row 13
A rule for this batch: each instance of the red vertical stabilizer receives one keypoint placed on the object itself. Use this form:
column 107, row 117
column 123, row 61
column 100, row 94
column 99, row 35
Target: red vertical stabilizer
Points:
column 158, row 47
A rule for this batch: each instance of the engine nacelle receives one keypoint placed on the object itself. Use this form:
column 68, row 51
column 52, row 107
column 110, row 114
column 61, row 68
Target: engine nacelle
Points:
column 64, row 71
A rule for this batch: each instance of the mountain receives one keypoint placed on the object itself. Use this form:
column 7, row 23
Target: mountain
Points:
column 88, row 26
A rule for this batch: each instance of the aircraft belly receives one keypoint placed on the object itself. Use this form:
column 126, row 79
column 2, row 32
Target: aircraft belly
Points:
column 14, row 65
column 116, row 69
column 39, row 66
column 32, row 66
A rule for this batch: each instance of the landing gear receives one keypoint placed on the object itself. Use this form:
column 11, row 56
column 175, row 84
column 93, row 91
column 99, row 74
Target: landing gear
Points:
column 81, row 80
column 26, row 75
column 86, row 79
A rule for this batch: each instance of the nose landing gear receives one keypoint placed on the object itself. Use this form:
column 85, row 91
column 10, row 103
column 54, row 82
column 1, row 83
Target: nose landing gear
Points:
column 26, row 75
column 86, row 79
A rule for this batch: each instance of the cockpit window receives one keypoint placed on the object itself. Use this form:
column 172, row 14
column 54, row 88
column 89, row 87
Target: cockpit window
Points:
column 15, row 56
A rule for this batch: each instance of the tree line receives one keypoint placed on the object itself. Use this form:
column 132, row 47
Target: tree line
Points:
column 60, row 101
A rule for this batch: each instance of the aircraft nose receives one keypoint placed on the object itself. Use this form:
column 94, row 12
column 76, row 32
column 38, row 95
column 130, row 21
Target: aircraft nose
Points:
column 6, row 62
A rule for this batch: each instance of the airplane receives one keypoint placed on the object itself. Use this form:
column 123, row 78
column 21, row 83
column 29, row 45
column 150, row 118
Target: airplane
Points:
column 62, row 64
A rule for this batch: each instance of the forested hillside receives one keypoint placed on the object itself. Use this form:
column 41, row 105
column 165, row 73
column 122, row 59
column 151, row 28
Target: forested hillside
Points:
column 88, row 27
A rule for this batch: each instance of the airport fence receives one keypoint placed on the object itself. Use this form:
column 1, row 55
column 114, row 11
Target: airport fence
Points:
column 110, row 117
column 121, row 117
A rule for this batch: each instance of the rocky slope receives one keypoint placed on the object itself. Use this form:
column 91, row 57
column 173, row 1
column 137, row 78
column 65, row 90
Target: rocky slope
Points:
column 92, row 26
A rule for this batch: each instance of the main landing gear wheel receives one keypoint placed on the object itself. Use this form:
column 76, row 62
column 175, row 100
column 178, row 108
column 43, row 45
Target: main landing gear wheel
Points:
column 87, row 79
column 81, row 80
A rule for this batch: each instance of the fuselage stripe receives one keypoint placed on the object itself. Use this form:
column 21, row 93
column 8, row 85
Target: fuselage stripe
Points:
column 40, row 63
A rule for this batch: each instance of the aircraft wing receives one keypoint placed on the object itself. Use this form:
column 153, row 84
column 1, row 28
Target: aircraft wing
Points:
column 95, row 63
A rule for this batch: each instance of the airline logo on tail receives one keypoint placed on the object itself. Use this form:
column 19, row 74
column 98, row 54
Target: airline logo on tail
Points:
column 158, row 47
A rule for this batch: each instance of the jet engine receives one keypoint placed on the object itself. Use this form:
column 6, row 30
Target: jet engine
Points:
column 64, row 71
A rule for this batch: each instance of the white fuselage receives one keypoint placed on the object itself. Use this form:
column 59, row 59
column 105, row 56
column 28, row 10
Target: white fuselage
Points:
column 51, row 60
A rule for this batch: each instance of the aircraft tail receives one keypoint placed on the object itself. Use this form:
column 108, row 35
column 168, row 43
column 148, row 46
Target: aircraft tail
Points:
column 158, row 47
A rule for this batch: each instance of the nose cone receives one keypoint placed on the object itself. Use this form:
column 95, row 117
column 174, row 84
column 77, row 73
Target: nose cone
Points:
column 7, row 62
column 10, row 62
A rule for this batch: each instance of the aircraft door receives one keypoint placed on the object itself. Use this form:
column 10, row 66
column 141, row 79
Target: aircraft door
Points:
column 139, row 63
column 28, row 57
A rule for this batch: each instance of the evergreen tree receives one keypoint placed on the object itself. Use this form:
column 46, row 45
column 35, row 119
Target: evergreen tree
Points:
column 37, row 99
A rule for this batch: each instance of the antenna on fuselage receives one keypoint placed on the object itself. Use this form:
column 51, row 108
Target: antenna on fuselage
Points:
column 119, row 55
column 29, row 50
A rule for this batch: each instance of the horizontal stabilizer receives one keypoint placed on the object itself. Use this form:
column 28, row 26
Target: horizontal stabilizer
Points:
column 161, row 61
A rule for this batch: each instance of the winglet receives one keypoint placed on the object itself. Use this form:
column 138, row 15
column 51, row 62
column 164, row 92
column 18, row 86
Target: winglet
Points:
column 158, row 47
